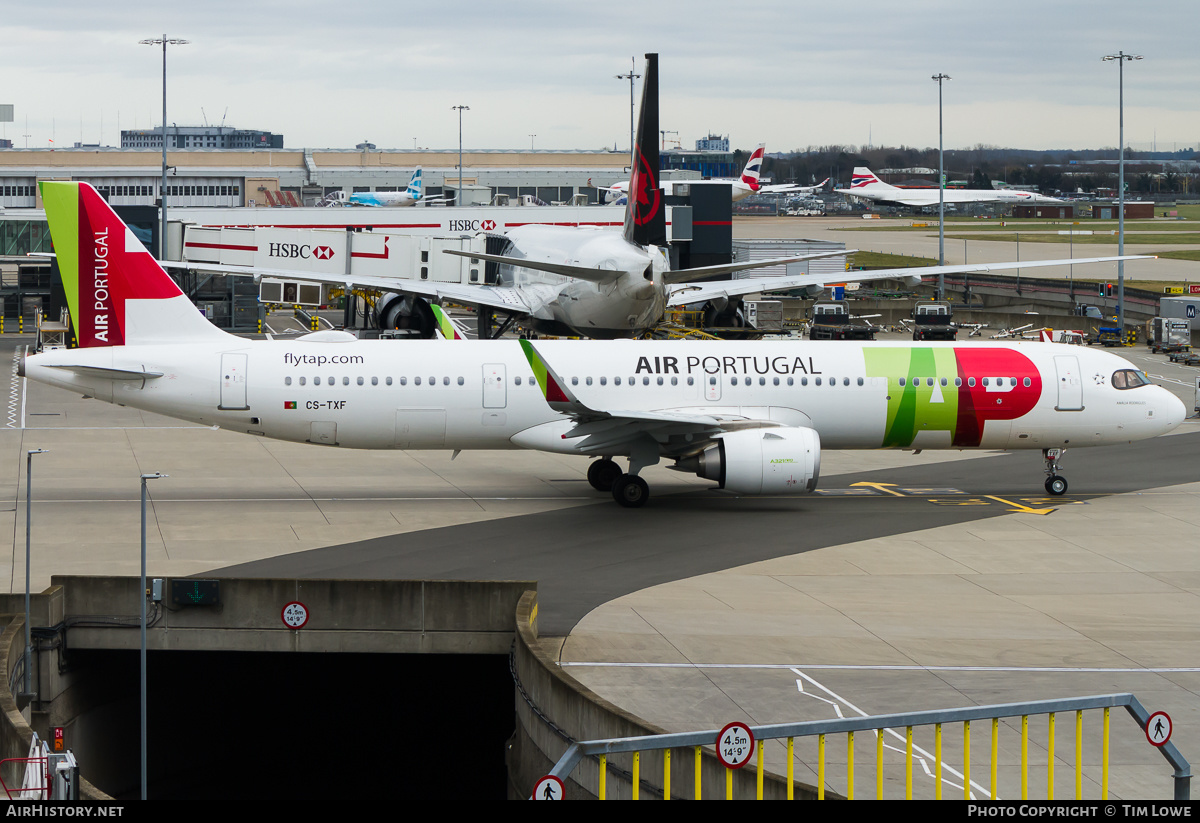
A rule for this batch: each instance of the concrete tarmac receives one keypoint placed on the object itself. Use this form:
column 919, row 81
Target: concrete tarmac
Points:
column 940, row 590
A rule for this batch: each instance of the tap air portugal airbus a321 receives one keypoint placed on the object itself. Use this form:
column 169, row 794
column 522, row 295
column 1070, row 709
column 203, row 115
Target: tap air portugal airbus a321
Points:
column 751, row 416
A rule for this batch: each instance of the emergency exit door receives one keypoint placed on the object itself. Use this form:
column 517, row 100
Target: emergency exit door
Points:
column 233, row 382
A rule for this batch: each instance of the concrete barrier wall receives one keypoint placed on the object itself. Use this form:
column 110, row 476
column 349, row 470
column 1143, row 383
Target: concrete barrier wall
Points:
column 442, row 617
column 553, row 709
column 16, row 735
column 360, row 616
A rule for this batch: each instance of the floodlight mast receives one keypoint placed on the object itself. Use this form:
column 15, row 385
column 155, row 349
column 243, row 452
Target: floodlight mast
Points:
column 941, row 291
column 630, row 77
column 164, row 41
column 458, row 201
column 1121, row 57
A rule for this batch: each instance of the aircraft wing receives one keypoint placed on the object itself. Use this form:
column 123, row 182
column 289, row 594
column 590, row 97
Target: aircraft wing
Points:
column 495, row 297
column 687, row 275
column 605, row 430
column 701, row 292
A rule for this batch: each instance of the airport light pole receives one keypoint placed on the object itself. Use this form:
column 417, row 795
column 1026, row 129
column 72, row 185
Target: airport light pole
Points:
column 1121, row 57
column 531, row 141
column 165, row 41
column 630, row 77
column 941, row 292
column 28, row 693
column 142, row 594
column 458, row 195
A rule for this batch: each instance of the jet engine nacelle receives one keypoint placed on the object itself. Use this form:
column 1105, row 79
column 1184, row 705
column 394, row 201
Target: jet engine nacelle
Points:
column 913, row 282
column 405, row 311
column 814, row 290
column 764, row 461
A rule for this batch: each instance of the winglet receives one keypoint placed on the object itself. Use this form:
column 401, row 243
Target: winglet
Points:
column 557, row 395
column 446, row 326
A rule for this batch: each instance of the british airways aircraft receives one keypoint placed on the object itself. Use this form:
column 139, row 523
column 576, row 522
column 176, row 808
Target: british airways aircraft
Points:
column 743, row 186
column 752, row 417
column 865, row 185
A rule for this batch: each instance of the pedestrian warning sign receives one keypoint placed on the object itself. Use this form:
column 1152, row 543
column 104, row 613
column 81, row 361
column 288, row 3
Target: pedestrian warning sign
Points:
column 1158, row 729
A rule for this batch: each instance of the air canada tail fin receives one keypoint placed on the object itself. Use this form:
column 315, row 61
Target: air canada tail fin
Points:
column 645, row 218
column 414, row 185
column 117, row 293
column 754, row 167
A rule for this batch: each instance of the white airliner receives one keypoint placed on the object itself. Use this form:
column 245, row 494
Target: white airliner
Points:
column 866, row 186
column 750, row 416
column 742, row 187
column 409, row 197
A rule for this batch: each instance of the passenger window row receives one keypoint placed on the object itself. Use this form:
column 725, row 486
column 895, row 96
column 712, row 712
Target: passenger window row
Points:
column 958, row 381
column 362, row 381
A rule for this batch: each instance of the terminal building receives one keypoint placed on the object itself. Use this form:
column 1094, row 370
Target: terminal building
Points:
column 206, row 172
column 200, row 137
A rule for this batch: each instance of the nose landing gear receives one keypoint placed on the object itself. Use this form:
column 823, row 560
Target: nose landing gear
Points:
column 1056, row 484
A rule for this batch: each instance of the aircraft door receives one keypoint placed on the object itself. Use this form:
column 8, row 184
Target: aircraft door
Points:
column 495, row 390
column 1070, row 386
column 233, row 381
column 712, row 387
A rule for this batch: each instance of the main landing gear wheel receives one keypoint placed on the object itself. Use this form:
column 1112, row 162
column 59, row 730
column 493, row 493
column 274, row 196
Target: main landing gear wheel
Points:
column 603, row 473
column 630, row 491
column 1056, row 485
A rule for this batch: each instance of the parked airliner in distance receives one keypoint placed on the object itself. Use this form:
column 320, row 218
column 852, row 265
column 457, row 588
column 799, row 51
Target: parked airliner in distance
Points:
column 865, row 185
column 409, row 197
column 750, row 416
column 742, row 187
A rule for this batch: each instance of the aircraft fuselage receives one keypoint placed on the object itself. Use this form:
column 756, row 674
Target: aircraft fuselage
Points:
column 481, row 394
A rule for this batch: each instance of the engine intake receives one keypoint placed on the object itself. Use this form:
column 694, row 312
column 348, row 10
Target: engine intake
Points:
column 762, row 461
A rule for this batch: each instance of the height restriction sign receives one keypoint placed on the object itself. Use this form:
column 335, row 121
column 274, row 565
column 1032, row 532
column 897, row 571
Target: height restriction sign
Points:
column 735, row 745
column 295, row 615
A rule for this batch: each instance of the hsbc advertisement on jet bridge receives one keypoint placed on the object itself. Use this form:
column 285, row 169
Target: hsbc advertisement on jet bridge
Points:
column 332, row 251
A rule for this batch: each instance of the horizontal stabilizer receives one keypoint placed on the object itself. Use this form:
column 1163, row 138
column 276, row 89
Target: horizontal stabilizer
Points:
column 582, row 272
column 107, row 373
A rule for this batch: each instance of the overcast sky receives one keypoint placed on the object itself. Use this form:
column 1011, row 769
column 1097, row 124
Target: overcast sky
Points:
column 791, row 73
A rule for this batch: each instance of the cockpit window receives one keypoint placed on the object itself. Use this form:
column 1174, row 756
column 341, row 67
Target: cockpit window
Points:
column 1129, row 379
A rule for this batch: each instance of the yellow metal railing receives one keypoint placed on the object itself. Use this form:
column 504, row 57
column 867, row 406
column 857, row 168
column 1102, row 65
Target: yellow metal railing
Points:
column 635, row 781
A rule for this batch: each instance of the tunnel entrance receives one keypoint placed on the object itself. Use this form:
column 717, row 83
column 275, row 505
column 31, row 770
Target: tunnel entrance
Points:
column 241, row 725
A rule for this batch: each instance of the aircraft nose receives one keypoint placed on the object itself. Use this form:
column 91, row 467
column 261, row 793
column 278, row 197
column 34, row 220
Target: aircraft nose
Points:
column 1172, row 409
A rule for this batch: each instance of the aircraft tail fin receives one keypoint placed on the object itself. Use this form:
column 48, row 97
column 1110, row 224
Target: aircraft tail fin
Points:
column 414, row 185
column 863, row 177
column 117, row 292
column 753, row 168
column 645, row 213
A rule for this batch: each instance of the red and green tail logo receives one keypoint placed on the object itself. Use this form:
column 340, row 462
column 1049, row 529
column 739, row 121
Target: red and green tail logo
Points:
column 101, row 262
